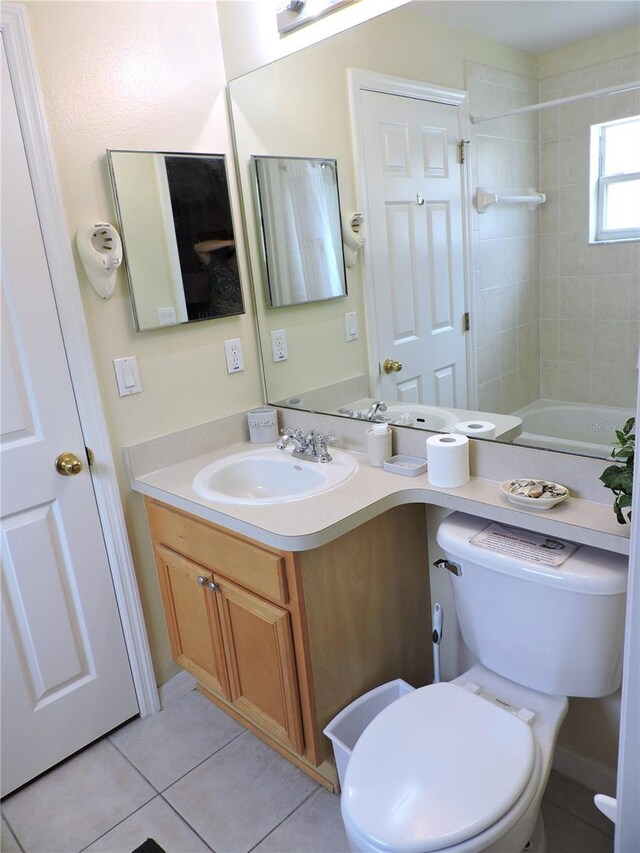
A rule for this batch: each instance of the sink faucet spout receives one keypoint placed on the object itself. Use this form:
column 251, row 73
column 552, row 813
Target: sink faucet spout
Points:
column 312, row 447
column 377, row 406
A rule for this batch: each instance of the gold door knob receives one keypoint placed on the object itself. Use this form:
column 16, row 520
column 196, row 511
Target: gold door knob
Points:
column 390, row 366
column 68, row 464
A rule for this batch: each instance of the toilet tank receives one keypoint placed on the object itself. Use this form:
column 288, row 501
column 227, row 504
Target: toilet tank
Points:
column 556, row 629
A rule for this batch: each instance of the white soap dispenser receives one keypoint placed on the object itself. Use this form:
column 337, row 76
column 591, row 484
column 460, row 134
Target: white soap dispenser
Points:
column 379, row 438
column 100, row 250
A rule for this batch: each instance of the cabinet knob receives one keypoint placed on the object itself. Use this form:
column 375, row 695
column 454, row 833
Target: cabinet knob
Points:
column 202, row 581
column 213, row 586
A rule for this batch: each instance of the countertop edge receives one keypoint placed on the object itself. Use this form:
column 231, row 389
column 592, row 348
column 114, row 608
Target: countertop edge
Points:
column 552, row 522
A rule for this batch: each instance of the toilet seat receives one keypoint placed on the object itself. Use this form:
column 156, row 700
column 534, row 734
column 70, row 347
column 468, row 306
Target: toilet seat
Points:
column 435, row 768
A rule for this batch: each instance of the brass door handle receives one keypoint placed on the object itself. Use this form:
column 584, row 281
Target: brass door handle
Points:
column 391, row 366
column 68, row 464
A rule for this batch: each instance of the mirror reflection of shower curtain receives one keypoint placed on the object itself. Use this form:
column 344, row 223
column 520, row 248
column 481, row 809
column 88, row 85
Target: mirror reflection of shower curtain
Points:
column 299, row 231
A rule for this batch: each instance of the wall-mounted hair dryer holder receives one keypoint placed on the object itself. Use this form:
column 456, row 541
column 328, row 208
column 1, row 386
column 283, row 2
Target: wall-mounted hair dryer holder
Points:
column 353, row 238
column 100, row 250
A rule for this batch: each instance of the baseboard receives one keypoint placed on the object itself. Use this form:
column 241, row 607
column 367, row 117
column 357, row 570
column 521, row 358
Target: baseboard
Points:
column 592, row 774
column 176, row 688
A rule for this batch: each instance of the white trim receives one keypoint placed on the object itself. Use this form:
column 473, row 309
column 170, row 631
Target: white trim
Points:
column 628, row 815
column 592, row 774
column 20, row 57
column 359, row 81
column 176, row 688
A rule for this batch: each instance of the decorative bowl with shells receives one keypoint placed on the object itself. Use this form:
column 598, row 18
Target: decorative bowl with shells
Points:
column 534, row 494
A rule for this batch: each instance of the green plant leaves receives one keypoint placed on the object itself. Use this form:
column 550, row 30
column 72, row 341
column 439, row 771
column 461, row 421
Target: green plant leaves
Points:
column 619, row 477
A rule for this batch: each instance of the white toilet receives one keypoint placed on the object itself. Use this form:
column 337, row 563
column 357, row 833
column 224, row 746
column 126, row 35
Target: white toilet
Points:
column 462, row 766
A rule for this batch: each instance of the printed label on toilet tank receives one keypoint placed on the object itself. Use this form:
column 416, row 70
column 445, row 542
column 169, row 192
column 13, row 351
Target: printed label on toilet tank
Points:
column 523, row 545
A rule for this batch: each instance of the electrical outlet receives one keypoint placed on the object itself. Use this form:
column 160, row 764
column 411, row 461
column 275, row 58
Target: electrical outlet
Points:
column 279, row 345
column 233, row 354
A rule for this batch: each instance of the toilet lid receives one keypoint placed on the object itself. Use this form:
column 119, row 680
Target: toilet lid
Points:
column 436, row 767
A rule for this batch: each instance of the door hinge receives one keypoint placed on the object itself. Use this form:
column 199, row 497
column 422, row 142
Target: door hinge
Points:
column 90, row 456
column 466, row 322
column 461, row 150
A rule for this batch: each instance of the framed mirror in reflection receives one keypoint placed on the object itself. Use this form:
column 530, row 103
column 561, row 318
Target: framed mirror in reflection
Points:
column 177, row 231
column 298, row 204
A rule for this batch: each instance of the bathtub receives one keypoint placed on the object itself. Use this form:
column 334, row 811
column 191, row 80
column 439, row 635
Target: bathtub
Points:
column 573, row 427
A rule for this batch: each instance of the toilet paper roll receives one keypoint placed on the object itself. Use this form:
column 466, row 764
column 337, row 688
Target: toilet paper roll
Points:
column 476, row 429
column 448, row 460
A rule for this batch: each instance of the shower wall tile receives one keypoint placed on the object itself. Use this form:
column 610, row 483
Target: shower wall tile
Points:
column 506, row 277
column 590, row 294
column 575, row 297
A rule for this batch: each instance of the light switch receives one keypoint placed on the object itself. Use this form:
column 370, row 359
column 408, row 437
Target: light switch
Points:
column 351, row 326
column 167, row 316
column 127, row 375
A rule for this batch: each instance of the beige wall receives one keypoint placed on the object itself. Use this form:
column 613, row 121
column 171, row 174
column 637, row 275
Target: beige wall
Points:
column 144, row 75
column 250, row 35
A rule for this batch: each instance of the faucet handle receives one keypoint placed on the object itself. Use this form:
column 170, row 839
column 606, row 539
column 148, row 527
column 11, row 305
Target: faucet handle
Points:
column 326, row 439
column 322, row 453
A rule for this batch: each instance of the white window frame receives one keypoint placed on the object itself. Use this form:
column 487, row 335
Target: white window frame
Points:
column 600, row 183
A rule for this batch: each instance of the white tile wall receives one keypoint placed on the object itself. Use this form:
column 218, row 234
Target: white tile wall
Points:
column 506, row 275
column 556, row 317
column 590, row 295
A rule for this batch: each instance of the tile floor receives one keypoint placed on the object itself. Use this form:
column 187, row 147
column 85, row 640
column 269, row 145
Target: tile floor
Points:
column 194, row 780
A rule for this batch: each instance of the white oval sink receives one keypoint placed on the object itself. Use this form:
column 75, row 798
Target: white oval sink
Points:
column 421, row 416
column 271, row 476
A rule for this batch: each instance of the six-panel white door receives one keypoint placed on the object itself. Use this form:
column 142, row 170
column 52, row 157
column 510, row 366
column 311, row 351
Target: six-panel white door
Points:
column 415, row 232
column 65, row 672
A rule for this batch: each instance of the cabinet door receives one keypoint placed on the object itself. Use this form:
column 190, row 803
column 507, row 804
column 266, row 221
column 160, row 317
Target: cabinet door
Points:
column 260, row 662
column 192, row 618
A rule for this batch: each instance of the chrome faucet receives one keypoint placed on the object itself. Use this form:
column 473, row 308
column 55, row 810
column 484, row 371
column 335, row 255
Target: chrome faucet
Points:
column 377, row 406
column 312, row 447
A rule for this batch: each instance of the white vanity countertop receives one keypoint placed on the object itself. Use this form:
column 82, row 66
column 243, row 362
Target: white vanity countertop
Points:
column 313, row 521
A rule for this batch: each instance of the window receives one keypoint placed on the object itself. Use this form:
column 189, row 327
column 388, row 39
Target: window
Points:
column 615, row 172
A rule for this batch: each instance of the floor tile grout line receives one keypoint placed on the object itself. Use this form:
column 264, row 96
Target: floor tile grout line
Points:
column 186, row 773
column 186, row 822
column 107, row 831
column 581, row 820
column 200, row 763
column 15, row 837
column 576, row 813
column 291, row 813
column 587, row 794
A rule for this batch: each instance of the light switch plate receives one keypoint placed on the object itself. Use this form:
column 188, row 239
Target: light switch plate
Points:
column 127, row 375
column 351, row 326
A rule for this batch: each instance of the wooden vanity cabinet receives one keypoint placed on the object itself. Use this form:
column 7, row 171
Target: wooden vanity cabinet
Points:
column 282, row 640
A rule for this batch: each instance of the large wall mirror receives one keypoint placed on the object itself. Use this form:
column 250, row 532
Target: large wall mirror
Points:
column 175, row 220
column 549, row 356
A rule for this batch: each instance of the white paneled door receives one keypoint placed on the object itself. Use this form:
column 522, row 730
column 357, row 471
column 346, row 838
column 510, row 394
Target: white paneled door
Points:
column 415, row 230
column 65, row 673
